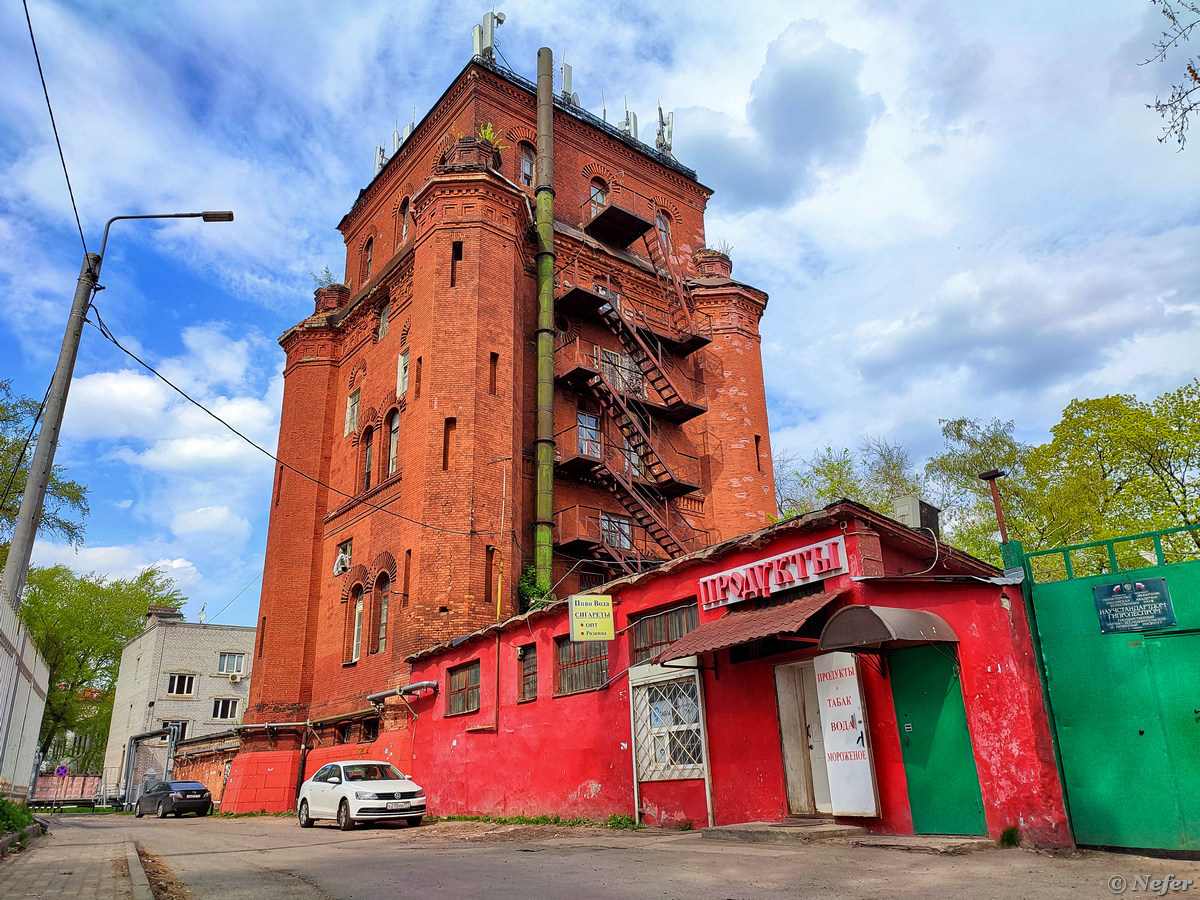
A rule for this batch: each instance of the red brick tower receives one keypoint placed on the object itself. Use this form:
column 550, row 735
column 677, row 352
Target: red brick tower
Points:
column 403, row 513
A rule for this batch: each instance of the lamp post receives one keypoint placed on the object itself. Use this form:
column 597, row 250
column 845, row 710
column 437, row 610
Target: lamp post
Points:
column 32, row 498
column 16, row 569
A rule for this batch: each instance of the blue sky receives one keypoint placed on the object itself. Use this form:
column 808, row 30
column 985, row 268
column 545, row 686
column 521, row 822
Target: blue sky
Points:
column 957, row 210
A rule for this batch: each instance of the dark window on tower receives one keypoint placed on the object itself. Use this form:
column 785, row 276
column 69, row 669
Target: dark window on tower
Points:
column 456, row 255
column 262, row 635
column 368, row 250
column 448, row 442
column 758, row 451
column 528, row 159
column 407, row 571
column 493, row 369
column 489, row 562
column 417, row 380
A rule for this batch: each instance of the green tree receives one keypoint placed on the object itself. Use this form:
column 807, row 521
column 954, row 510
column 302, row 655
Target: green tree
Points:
column 66, row 504
column 80, row 623
column 875, row 473
column 1114, row 466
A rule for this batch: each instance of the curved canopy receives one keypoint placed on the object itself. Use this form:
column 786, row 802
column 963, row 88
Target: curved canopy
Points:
column 883, row 626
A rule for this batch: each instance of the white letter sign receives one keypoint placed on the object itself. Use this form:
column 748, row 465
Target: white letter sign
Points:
column 847, row 750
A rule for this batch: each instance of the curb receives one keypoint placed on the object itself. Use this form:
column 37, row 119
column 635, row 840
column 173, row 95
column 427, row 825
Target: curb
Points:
column 137, row 875
column 36, row 829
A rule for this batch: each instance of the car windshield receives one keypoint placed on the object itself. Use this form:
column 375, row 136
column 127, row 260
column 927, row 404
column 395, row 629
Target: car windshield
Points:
column 372, row 772
column 187, row 786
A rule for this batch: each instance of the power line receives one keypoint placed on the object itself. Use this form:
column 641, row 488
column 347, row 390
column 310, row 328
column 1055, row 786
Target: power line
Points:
column 54, row 126
column 104, row 330
column 238, row 594
column 24, row 447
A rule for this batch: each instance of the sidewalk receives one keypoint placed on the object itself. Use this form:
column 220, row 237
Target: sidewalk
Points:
column 61, row 865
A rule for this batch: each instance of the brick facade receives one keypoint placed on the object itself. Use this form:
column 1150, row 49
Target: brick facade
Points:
column 432, row 339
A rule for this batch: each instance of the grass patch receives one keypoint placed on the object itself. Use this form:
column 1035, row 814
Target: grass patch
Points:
column 617, row 820
column 14, row 816
column 256, row 812
column 1010, row 837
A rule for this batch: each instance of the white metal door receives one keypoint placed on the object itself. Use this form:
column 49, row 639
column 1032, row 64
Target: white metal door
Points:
column 816, row 740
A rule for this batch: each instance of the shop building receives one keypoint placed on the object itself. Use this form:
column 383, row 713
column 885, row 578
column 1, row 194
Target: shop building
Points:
column 838, row 664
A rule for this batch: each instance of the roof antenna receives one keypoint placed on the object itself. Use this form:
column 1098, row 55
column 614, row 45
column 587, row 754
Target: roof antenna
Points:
column 484, row 36
column 629, row 125
column 603, row 108
column 666, row 130
column 200, row 615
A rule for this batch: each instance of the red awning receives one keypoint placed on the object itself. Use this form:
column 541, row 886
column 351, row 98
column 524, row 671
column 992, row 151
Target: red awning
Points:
column 739, row 627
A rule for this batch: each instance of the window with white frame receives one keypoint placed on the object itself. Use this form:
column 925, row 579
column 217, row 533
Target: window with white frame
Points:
column 393, row 442
column 225, row 708
column 356, row 638
column 589, row 434
column 231, row 663
column 528, row 159
column 383, row 320
column 666, row 729
column 352, row 413
column 402, row 374
column 180, row 684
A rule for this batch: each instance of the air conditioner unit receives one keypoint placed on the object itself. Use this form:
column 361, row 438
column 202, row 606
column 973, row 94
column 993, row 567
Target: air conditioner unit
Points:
column 235, row 678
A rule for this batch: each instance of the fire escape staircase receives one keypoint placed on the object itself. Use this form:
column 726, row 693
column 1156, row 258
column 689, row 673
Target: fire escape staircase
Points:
column 649, row 514
column 636, row 438
column 648, row 363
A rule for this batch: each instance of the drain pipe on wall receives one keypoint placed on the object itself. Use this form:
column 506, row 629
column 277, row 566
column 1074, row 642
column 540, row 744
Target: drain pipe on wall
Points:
column 543, row 503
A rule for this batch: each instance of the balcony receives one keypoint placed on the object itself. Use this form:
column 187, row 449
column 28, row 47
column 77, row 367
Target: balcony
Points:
column 577, row 361
column 587, row 529
column 617, row 221
column 656, row 322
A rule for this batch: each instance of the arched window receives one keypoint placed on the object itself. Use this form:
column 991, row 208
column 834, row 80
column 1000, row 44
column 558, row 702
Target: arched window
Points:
column 367, row 251
column 393, row 442
column 368, row 439
column 662, row 221
column 527, row 160
column 599, row 196
column 354, row 614
column 403, row 222
column 383, row 591
column 384, row 314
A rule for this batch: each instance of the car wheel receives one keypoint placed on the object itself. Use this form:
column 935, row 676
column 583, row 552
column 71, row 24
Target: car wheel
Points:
column 177, row 813
column 344, row 821
column 137, row 811
column 206, row 811
column 414, row 821
column 161, row 812
column 306, row 820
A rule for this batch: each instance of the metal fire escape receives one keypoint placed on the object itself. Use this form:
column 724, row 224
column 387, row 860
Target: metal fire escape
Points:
column 638, row 474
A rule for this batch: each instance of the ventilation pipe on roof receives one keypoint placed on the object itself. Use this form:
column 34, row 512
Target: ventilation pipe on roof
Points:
column 543, row 503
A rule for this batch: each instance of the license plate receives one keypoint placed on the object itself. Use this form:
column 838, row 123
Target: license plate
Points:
column 397, row 804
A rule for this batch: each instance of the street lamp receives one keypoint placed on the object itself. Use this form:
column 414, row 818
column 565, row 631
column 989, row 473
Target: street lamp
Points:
column 16, row 570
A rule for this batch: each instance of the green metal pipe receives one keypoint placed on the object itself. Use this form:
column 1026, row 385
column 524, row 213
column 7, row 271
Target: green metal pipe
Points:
column 543, row 503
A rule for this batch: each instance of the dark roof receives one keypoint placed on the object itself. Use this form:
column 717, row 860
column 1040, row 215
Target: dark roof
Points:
column 740, row 627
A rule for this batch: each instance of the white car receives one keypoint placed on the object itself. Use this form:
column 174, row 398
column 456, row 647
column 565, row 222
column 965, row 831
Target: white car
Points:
column 358, row 791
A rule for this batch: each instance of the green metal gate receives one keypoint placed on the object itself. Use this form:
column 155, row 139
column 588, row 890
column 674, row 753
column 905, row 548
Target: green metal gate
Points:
column 1118, row 627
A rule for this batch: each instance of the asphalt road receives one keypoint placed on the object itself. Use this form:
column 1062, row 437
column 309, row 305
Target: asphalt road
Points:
column 268, row 857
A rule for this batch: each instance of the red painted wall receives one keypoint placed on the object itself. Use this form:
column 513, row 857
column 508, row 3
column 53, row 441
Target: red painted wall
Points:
column 572, row 755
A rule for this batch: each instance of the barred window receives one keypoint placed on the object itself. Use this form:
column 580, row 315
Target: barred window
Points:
column 652, row 634
column 179, row 685
column 463, row 695
column 582, row 665
column 667, row 730
column 529, row 672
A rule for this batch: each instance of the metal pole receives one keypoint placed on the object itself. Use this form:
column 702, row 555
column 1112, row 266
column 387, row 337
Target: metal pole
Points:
column 543, row 504
column 16, row 570
column 990, row 477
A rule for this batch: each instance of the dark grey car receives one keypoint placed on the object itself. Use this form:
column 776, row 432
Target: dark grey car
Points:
column 178, row 797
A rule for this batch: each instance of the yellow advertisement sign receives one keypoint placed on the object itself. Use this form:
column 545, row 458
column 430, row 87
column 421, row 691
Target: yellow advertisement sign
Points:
column 591, row 617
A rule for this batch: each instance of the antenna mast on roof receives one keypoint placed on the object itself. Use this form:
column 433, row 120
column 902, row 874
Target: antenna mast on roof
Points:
column 666, row 131
column 484, row 36
column 629, row 124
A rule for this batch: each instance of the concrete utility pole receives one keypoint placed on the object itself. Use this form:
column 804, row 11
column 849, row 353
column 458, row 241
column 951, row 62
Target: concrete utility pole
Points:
column 16, row 569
